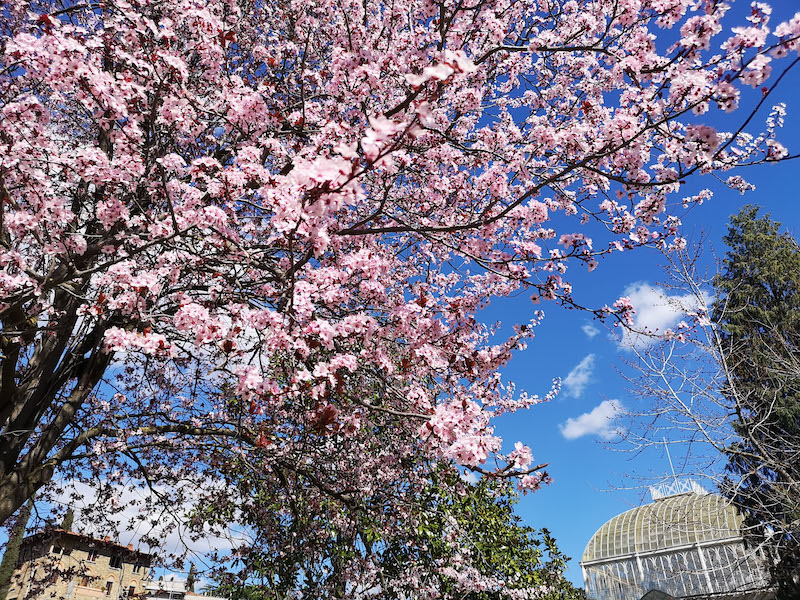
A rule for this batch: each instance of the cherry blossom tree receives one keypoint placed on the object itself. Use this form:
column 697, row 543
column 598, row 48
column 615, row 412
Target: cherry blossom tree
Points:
column 262, row 232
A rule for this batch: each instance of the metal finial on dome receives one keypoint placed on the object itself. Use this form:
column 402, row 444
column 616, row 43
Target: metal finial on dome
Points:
column 676, row 488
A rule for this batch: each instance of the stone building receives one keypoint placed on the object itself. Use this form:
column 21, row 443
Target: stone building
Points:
column 62, row 565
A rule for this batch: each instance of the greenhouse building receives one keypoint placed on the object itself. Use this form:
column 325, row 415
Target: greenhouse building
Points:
column 686, row 543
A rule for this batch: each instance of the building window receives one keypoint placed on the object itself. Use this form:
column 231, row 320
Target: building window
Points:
column 116, row 562
column 137, row 567
column 92, row 555
column 85, row 581
column 109, row 585
column 131, row 591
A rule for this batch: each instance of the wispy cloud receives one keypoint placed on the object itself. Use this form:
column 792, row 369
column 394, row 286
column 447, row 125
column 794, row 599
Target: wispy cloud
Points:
column 656, row 311
column 599, row 421
column 124, row 508
column 590, row 330
column 579, row 377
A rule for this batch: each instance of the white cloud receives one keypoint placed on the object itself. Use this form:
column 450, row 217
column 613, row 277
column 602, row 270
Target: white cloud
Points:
column 656, row 311
column 600, row 421
column 580, row 376
column 590, row 330
column 137, row 515
column 470, row 477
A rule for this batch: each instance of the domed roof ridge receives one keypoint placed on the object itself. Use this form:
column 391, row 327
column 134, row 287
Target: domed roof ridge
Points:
column 668, row 522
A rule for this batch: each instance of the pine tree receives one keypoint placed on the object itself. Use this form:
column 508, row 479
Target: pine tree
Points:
column 191, row 578
column 9, row 562
column 69, row 518
column 758, row 309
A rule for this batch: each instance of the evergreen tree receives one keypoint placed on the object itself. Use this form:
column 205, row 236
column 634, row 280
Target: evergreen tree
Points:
column 508, row 557
column 191, row 578
column 69, row 519
column 758, row 310
column 9, row 562
column 482, row 518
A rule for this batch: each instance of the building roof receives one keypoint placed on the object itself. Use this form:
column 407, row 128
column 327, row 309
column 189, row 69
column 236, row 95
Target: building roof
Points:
column 51, row 533
column 669, row 522
column 168, row 585
column 175, row 588
column 657, row 595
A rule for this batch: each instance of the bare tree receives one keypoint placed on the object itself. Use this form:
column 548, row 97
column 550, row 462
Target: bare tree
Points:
column 726, row 401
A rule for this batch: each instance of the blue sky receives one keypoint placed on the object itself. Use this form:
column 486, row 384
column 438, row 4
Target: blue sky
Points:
column 588, row 472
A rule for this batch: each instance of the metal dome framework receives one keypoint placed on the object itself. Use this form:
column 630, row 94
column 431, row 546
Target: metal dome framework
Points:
column 685, row 544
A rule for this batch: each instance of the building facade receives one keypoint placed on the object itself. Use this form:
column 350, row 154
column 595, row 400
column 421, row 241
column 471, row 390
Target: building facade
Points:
column 686, row 543
column 63, row 565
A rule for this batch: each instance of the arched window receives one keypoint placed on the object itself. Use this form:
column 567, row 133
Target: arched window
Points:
column 88, row 577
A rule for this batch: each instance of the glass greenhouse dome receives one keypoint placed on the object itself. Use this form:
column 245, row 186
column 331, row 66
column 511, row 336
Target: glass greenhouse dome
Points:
column 687, row 542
